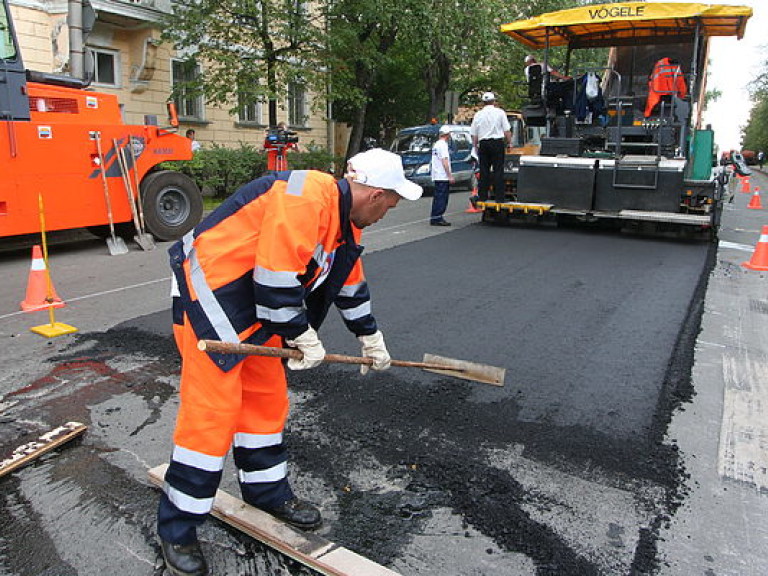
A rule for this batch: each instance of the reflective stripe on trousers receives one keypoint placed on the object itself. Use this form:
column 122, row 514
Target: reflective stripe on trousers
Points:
column 245, row 409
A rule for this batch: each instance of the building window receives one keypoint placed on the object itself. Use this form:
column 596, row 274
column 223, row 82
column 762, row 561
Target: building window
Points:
column 106, row 67
column 297, row 105
column 188, row 104
column 250, row 111
column 7, row 48
column 300, row 7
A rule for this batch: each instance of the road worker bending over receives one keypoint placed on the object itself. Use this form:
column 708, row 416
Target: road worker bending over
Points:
column 264, row 268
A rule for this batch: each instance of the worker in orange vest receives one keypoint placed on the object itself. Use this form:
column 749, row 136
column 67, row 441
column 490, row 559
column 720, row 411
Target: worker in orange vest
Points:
column 666, row 79
column 264, row 268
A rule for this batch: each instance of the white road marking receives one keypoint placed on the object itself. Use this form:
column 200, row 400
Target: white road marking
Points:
column 97, row 294
column 735, row 246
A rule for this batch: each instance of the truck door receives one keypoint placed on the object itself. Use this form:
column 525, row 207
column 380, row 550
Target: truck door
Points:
column 13, row 100
column 462, row 165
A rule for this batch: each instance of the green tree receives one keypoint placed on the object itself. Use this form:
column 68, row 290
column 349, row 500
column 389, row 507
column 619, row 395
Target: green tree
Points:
column 398, row 95
column 362, row 36
column 497, row 61
column 755, row 133
column 392, row 62
column 249, row 49
column 457, row 38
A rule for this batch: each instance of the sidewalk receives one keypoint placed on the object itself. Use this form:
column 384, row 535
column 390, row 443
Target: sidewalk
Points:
column 721, row 527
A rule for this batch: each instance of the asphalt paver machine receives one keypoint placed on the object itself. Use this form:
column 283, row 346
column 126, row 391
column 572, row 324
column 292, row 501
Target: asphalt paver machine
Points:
column 623, row 142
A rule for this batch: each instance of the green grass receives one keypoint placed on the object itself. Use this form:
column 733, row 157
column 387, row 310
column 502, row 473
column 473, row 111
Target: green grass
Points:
column 210, row 203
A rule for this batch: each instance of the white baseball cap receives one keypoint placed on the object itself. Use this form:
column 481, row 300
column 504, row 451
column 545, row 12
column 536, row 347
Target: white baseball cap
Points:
column 444, row 129
column 529, row 58
column 383, row 169
column 488, row 97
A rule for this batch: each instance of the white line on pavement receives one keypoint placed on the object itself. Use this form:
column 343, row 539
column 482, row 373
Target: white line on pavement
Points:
column 734, row 246
column 167, row 279
column 97, row 294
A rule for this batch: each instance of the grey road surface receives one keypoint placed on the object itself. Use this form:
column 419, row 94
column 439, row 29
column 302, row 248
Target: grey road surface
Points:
column 603, row 454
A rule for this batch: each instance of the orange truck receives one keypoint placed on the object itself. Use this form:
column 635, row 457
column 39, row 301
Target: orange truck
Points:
column 56, row 136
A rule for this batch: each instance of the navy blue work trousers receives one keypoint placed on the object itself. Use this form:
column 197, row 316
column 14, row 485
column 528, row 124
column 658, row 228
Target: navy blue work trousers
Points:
column 491, row 153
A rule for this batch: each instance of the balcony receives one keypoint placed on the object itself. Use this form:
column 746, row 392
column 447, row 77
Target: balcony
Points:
column 130, row 13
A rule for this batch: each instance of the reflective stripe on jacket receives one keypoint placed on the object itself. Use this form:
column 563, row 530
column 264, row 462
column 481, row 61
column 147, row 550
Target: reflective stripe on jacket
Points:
column 666, row 79
column 271, row 260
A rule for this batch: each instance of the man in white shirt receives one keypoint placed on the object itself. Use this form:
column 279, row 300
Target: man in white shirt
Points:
column 531, row 61
column 442, row 176
column 490, row 131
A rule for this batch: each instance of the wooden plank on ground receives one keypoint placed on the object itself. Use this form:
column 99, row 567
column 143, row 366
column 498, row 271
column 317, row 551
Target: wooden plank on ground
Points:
column 24, row 454
column 305, row 547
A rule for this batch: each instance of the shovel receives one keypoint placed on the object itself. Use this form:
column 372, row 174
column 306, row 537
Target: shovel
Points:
column 145, row 241
column 431, row 363
column 139, row 203
column 115, row 244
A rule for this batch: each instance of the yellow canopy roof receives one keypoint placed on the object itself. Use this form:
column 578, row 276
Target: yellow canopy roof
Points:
column 629, row 23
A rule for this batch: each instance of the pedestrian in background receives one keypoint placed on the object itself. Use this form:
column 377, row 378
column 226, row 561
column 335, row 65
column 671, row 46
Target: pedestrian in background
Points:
column 191, row 135
column 264, row 268
column 442, row 177
column 490, row 132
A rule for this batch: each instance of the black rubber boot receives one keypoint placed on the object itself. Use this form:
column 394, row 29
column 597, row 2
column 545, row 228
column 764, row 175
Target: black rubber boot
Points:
column 299, row 513
column 184, row 560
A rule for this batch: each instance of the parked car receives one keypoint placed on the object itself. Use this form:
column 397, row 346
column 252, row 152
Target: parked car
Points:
column 740, row 165
column 414, row 145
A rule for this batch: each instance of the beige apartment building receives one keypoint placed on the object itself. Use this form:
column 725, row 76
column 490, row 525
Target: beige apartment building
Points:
column 131, row 62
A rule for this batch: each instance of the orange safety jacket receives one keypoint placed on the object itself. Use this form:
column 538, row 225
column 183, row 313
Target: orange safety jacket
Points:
column 270, row 261
column 667, row 78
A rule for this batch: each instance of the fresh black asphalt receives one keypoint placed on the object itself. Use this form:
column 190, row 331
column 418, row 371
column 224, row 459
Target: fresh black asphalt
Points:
column 596, row 332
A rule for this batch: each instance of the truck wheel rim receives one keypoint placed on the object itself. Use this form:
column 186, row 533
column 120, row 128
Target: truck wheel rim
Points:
column 172, row 207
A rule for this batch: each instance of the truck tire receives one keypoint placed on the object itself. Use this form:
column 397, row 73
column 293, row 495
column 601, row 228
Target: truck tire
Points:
column 172, row 204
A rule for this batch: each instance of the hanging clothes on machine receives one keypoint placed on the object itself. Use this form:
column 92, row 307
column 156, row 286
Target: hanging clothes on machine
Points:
column 589, row 98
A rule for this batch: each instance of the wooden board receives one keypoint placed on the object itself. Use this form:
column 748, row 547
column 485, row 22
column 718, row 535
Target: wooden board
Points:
column 27, row 452
column 305, row 547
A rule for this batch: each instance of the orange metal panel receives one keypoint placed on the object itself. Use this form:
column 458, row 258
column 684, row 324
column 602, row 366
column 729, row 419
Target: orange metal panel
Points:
column 58, row 159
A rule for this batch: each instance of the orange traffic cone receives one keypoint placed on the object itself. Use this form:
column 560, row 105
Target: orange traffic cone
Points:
column 759, row 260
column 754, row 202
column 745, row 185
column 471, row 209
column 41, row 294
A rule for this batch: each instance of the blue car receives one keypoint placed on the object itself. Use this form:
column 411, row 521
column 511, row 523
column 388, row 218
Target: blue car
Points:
column 414, row 145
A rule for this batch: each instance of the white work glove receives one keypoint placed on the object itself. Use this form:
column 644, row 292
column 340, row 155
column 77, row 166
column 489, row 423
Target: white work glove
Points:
column 309, row 344
column 374, row 347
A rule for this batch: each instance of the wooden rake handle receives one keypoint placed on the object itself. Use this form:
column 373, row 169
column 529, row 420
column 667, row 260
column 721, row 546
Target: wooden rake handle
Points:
column 252, row 350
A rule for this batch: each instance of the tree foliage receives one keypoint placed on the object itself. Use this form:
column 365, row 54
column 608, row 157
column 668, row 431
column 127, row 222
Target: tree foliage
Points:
column 393, row 62
column 755, row 133
column 248, row 49
column 383, row 64
column 364, row 36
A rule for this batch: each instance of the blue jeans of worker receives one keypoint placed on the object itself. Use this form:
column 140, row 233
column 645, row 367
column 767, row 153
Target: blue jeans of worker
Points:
column 440, row 200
